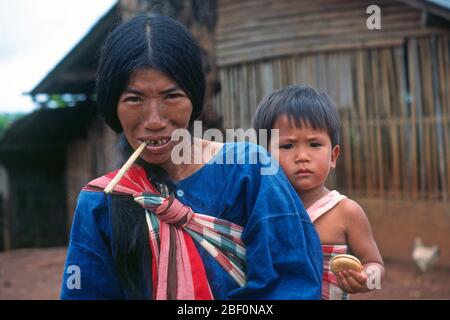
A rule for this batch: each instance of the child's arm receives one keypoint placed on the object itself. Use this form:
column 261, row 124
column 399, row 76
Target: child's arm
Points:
column 362, row 245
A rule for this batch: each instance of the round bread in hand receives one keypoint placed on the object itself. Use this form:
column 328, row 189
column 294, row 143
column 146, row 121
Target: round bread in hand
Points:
column 345, row 262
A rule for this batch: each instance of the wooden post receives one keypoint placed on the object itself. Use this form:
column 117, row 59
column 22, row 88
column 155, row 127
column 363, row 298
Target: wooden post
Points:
column 413, row 80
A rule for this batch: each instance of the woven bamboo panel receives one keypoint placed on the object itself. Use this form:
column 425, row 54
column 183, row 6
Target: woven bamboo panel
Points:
column 260, row 29
column 394, row 107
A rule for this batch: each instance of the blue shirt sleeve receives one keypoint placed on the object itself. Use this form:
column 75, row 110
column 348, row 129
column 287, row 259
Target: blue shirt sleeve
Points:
column 284, row 257
column 89, row 271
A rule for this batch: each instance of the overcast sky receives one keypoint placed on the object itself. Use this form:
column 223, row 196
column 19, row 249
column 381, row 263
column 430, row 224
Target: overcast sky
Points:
column 445, row 3
column 34, row 36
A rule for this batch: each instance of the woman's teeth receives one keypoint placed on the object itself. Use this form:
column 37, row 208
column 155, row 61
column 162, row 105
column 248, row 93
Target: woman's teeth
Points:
column 157, row 142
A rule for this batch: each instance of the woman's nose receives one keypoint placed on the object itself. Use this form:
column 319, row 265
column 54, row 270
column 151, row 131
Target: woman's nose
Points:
column 153, row 119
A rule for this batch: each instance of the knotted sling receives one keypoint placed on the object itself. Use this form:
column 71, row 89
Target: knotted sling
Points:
column 177, row 268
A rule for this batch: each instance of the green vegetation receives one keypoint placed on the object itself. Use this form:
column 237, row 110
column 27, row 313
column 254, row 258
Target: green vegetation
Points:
column 6, row 119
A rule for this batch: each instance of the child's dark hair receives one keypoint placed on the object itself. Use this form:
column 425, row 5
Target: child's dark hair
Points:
column 302, row 104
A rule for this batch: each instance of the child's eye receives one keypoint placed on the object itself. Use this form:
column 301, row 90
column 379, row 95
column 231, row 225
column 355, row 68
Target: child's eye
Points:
column 315, row 144
column 286, row 146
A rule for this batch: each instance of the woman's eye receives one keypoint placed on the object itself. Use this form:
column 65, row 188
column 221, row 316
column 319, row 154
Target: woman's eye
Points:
column 174, row 95
column 132, row 99
column 287, row 146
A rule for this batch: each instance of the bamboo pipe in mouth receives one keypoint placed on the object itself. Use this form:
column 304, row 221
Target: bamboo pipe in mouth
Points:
column 110, row 187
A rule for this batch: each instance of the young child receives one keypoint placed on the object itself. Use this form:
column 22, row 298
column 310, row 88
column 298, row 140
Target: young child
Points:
column 309, row 126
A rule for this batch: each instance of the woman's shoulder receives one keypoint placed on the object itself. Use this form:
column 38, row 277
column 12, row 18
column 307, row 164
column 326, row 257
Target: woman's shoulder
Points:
column 244, row 157
column 92, row 197
column 243, row 153
column 244, row 146
column 87, row 195
column 92, row 204
column 244, row 161
column 92, row 212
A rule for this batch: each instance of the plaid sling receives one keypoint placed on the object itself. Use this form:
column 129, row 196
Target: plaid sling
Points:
column 178, row 271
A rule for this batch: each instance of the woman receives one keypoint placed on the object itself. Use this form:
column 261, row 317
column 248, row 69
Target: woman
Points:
column 150, row 83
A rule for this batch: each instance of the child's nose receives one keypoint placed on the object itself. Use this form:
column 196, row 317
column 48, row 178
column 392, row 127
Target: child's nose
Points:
column 302, row 155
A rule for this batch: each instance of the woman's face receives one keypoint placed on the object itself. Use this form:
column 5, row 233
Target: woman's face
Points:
column 150, row 108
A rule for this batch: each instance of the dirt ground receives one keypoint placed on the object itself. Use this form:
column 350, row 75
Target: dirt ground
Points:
column 36, row 274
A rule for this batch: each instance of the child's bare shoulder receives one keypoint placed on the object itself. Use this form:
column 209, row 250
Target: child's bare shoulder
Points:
column 350, row 210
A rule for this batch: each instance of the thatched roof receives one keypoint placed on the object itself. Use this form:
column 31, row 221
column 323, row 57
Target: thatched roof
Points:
column 46, row 129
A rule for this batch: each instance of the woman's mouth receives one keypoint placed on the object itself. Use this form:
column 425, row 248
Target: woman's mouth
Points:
column 157, row 145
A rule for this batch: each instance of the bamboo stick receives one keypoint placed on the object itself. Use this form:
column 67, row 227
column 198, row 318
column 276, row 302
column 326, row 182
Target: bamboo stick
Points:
column 412, row 63
column 385, row 135
column 444, row 70
column 393, row 173
column 427, row 144
column 441, row 183
column 361, row 89
column 368, row 86
column 439, row 156
column 396, row 146
column 377, row 160
column 343, row 70
column 348, row 153
column 110, row 187
column 427, row 107
column 403, row 114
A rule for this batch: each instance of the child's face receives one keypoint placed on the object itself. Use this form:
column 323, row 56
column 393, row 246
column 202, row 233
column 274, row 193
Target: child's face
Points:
column 305, row 154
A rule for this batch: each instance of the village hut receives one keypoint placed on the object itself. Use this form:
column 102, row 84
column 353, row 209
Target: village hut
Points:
column 390, row 82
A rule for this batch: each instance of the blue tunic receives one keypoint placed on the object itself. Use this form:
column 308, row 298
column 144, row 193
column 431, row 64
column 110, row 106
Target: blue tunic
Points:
column 284, row 257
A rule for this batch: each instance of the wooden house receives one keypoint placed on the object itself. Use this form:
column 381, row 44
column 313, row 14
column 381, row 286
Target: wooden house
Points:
column 47, row 156
column 391, row 87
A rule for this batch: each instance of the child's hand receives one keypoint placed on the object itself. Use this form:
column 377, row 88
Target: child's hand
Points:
column 352, row 281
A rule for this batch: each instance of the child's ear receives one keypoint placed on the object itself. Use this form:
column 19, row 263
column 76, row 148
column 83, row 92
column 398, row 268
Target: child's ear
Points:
column 335, row 155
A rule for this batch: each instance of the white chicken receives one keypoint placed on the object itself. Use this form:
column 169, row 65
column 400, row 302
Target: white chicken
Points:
column 424, row 256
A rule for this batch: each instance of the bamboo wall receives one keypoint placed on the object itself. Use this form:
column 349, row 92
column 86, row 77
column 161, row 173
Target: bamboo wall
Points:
column 397, row 137
column 257, row 29
column 394, row 107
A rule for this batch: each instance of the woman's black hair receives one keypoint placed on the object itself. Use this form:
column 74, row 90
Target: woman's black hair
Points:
column 148, row 41
column 302, row 104
column 130, row 238
column 130, row 247
column 161, row 43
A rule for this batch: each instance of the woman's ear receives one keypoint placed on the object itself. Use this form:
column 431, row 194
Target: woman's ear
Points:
column 334, row 155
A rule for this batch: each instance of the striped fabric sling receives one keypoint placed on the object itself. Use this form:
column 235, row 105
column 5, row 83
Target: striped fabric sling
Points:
column 178, row 271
